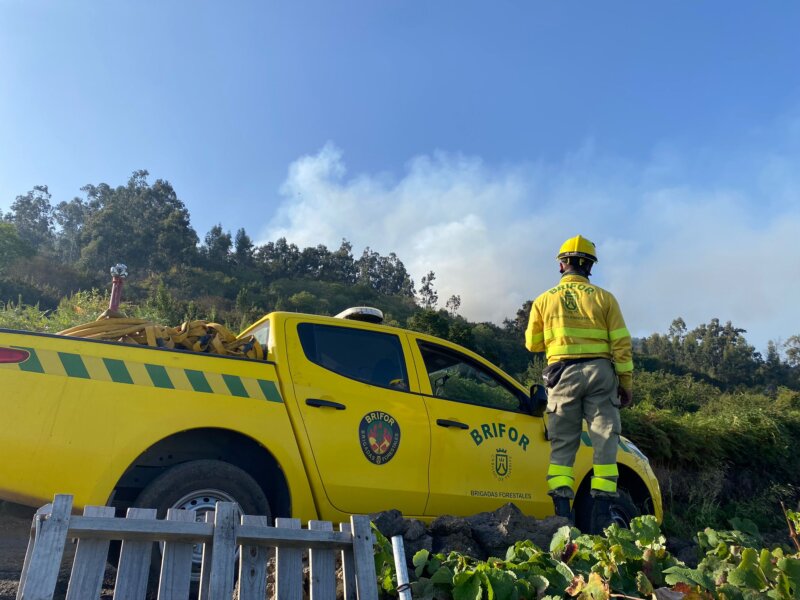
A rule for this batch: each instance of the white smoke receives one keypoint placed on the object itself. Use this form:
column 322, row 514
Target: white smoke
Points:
column 491, row 234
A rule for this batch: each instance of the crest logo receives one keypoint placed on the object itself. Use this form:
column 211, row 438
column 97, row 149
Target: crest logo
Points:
column 569, row 300
column 379, row 437
column 501, row 467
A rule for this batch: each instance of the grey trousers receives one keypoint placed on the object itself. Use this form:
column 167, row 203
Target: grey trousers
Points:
column 586, row 391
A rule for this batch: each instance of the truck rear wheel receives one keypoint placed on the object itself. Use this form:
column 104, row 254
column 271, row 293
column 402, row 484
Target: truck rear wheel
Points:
column 197, row 486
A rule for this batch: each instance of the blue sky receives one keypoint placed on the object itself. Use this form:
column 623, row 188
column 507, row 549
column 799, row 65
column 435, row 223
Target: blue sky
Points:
column 469, row 137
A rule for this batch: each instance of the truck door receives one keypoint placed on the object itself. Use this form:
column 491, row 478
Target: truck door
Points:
column 485, row 451
column 368, row 434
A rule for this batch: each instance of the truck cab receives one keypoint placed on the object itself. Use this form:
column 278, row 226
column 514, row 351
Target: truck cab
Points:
column 398, row 419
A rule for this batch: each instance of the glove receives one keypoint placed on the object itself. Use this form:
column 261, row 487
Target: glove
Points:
column 625, row 397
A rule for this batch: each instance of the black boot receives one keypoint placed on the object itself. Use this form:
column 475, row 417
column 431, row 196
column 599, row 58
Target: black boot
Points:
column 561, row 505
column 601, row 514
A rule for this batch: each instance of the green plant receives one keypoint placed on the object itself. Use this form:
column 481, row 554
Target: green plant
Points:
column 624, row 563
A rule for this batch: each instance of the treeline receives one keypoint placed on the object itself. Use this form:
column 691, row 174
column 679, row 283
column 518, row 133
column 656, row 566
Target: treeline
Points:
column 49, row 250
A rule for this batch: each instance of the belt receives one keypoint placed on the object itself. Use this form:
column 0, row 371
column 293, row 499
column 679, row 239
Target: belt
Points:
column 575, row 361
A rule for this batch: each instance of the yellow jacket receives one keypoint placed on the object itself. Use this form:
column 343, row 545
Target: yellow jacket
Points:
column 576, row 319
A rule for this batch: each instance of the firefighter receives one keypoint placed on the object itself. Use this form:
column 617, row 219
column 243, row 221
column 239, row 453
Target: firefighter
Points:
column 579, row 326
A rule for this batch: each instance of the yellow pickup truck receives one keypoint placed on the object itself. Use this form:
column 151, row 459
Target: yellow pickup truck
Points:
column 344, row 416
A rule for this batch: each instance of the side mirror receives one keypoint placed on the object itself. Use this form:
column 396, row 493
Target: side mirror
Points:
column 538, row 399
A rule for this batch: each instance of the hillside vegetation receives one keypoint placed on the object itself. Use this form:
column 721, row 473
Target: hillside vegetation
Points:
column 719, row 420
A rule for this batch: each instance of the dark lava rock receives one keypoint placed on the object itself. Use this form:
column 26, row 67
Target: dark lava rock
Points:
column 389, row 523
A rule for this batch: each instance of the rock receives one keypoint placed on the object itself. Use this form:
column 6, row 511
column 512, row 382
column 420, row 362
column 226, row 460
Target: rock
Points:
column 480, row 536
column 496, row 531
column 414, row 530
column 424, row 542
column 458, row 541
column 448, row 525
column 389, row 523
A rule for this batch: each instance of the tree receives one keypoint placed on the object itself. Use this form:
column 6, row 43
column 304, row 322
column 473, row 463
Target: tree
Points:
column 32, row 214
column 519, row 323
column 217, row 248
column 340, row 266
column 12, row 247
column 453, row 304
column 71, row 218
column 145, row 226
column 427, row 293
column 243, row 249
column 277, row 259
column 792, row 349
column 385, row 274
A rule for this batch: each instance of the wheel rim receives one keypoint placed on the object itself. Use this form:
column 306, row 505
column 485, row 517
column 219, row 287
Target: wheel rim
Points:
column 620, row 516
column 201, row 502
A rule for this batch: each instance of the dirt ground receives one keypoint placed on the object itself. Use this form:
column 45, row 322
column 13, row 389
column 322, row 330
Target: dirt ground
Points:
column 15, row 525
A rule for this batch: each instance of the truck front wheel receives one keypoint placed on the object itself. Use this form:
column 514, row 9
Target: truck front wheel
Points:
column 622, row 509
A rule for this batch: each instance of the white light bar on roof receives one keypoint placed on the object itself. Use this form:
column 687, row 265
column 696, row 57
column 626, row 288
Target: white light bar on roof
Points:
column 362, row 313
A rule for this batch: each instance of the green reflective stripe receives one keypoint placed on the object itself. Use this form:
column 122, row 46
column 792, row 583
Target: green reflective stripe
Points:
column 270, row 390
column 606, row 470
column 560, row 470
column 536, row 338
column 198, row 381
column 624, row 367
column 32, row 365
column 578, row 332
column 586, row 439
column 159, row 376
column 604, row 485
column 578, row 349
column 73, row 365
column 620, row 333
column 235, row 386
column 562, row 481
column 117, row 370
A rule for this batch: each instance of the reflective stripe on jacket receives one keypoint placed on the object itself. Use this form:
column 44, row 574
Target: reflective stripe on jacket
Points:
column 577, row 319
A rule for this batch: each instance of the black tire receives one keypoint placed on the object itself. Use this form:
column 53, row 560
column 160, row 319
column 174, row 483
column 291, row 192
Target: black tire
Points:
column 197, row 486
column 623, row 510
column 183, row 485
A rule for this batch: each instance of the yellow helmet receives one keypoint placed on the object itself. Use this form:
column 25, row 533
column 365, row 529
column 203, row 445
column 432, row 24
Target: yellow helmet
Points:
column 579, row 247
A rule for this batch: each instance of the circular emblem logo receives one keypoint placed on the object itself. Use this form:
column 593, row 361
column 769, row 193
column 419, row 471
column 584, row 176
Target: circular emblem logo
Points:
column 379, row 437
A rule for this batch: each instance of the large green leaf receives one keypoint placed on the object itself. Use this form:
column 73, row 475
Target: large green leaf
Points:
column 748, row 574
column 790, row 568
column 467, row 586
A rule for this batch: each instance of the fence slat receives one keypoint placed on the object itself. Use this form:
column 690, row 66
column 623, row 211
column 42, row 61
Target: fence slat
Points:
column 48, row 550
column 89, row 565
column 134, row 562
column 44, row 510
column 176, row 565
column 289, row 566
column 253, row 564
column 205, row 564
column 348, row 567
column 223, row 559
column 366, row 578
column 323, row 566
